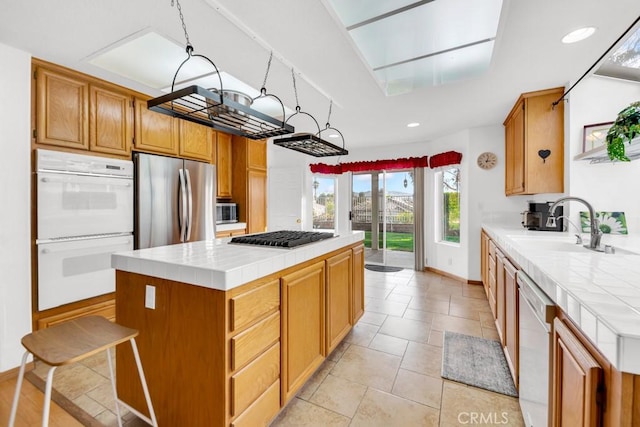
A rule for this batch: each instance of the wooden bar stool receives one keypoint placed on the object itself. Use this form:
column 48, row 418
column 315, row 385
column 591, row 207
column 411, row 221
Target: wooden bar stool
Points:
column 71, row 342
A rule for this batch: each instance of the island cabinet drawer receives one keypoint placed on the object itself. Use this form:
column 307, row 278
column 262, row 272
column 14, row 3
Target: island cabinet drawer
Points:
column 249, row 306
column 252, row 381
column 262, row 411
column 248, row 344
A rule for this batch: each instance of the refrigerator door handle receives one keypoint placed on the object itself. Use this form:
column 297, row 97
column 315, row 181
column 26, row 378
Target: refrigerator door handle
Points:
column 182, row 205
column 189, row 205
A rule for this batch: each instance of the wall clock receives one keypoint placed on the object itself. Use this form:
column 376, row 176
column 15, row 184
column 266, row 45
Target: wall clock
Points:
column 487, row 160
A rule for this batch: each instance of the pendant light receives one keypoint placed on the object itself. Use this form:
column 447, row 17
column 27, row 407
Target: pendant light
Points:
column 228, row 111
column 309, row 143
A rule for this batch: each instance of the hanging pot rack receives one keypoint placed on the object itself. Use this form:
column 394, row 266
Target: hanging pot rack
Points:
column 228, row 111
column 309, row 143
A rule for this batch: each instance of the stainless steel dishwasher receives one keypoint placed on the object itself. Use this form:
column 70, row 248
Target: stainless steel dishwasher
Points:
column 536, row 343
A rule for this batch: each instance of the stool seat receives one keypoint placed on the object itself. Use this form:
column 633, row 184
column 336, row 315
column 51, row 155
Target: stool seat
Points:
column 76, row 339
column 71, row 342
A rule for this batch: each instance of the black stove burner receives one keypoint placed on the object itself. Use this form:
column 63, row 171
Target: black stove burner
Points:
column 283, row 238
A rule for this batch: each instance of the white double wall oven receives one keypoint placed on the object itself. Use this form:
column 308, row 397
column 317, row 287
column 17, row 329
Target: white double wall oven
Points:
column 84, row 214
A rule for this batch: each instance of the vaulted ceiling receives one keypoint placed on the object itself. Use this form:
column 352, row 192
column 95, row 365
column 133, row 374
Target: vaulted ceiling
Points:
column 307, row 35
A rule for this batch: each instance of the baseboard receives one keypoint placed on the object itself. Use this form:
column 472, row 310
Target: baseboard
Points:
column 453, row 276
column 13, row 373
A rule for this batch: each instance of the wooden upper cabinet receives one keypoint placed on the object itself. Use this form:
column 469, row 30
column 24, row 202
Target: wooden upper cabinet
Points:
column 257, row 154
column 533, row 128
column 155, row 132
column 111, row 121
column 196, row 141
column 223, row 165
column 577, row 381
column 61, row 110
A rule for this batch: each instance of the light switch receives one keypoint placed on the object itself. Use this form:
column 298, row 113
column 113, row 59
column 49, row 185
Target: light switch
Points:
column 150, row 297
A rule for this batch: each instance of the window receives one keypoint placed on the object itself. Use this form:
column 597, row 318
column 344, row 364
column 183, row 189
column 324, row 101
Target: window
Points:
column 450, row 205
column 324, row 202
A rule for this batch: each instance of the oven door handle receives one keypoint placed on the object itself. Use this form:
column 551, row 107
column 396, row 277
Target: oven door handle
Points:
column 182, row 205
column 189, row 205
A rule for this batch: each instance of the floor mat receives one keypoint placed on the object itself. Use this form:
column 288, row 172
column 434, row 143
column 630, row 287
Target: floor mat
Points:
column 382, row 268
column 478, row 362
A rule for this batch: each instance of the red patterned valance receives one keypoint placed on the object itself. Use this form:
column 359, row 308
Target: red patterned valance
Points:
column 395, row 164
column 445, row 159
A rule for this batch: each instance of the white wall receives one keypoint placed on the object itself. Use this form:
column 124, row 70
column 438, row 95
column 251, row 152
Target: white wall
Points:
column 15, row 215
column 607, row 186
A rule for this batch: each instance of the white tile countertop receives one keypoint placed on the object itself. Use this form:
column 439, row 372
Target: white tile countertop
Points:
column 599, row 292
column 221, row 265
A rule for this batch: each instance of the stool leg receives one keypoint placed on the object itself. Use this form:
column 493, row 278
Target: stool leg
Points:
column 16, row 396
column 143, row 380
column 47, row 397
column 113, row 387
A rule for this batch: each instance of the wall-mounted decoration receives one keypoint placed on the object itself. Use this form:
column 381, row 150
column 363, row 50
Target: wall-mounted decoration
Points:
column 544, row 154
column 609, row 222
column 595, row 136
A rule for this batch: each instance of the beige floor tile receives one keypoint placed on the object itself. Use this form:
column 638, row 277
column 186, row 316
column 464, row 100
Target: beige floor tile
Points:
column 373, row 318
column 490, row 334
column 389, row 344
column 398, row 298
column 474, row 303
column 423, row 359
column 385, row 307
column 408, row 329
column 474, row 291
column 368, row 367
column 89, row 405
column 339, row 395
column 486, row 319
column 337, row 352
column 385, row 410
column 412, row 291
column 440, row 295
column 316, row 379
column 419, row 388
column 380, row 293
column 299, row 413
column 460, row 403
column 76, row 380
column 460, row 325
column 429, row 304
column 436, row 338
column 423, row 316
column 361, row 334
column 464, row 311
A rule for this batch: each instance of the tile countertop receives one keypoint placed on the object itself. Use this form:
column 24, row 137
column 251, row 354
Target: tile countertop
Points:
column 599, row 292
column 217, row 264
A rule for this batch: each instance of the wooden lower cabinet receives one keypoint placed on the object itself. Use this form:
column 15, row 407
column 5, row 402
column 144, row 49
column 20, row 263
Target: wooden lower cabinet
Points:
column 493, row 277
column 233, row 358
column 339, row 292
column 501, row 321
column 577, row 381
column 484, row 261
column 303, row 326
column 357, row 309
column 106, row 309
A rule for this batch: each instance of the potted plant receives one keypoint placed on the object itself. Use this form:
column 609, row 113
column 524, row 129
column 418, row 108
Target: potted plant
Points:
column 625, row 128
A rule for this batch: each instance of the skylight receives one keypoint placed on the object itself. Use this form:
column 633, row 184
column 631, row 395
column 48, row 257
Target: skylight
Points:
column 152, row 60
column 624, row 63
column 409, row 44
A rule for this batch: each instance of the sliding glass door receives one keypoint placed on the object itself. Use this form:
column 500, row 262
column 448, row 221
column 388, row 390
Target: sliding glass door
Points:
column 382, row 206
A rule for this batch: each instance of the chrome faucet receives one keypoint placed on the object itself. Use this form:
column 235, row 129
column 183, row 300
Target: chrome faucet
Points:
column 596, row 234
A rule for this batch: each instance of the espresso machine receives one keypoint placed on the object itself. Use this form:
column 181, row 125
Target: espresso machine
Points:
column 535, row 217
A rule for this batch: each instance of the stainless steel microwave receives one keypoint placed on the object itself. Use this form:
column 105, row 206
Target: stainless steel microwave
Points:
column 226, row 213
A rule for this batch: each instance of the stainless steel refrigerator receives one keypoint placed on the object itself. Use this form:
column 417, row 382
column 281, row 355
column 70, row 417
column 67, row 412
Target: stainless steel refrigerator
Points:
column 175, row 200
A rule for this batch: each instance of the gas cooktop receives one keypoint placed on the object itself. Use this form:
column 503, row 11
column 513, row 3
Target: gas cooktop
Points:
column 282, row 238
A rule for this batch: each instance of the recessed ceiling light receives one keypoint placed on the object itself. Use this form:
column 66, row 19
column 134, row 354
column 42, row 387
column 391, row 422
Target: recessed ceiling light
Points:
column 578, row 35
column 413, row 125
column 334, row 135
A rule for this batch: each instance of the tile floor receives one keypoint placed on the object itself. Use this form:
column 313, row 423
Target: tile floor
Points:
column 385, row 373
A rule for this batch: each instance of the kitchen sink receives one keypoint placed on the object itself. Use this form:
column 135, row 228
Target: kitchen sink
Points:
column 562, row 245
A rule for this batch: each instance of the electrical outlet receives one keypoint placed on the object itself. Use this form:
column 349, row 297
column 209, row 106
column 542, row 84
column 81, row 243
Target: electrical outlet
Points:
column 150, row 297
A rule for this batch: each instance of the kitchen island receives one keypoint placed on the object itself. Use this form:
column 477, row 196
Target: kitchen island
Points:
column 228, row 332
column 595, row 374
